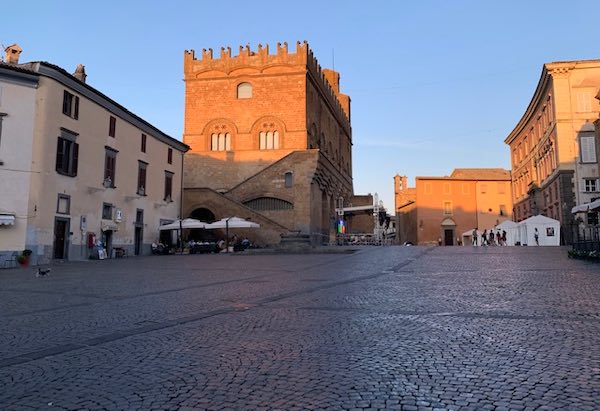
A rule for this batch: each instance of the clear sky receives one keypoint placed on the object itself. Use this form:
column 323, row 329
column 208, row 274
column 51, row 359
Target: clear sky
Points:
column 434, row 84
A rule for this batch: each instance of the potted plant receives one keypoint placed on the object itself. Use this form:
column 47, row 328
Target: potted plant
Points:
column 23, row 259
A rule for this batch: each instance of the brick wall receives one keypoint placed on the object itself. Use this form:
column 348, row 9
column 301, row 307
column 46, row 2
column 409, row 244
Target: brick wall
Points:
column 290, row 95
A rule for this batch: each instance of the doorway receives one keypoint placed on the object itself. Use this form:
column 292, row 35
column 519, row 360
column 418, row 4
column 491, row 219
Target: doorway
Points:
column 107, row 242
column 448, row 237
column 138, row 235
column 61, row 233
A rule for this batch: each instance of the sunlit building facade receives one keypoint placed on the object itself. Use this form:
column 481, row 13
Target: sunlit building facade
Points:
column 553, row 146
column 270, row 140
column 439, row 210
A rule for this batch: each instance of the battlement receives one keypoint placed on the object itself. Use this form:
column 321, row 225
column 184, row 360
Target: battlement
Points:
column 303, row 57
column 245, row 57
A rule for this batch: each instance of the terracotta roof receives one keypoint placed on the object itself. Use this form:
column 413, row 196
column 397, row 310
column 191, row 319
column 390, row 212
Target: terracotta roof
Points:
column 480, row 174
column 18, row 67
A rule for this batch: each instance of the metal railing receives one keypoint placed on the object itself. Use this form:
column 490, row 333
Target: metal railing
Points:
column 587, row 239
column 362, row 239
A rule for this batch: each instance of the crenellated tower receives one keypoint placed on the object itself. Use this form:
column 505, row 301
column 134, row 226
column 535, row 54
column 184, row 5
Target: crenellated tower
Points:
column 248, row 111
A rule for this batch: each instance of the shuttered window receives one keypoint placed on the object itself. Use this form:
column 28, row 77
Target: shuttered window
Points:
column 112, row 126
column 70, row 105
column 67, row 156
column 220, row 142
column 110, row 163
column 269, row 140
column 588, row 149
column 168, row 186
column 142, row 178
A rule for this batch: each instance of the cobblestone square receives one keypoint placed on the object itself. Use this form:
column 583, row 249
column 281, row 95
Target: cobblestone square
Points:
column 400, row 328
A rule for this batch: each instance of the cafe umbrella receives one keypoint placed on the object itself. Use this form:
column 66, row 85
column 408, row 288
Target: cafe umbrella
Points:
column 180, row 225
column 231, row 222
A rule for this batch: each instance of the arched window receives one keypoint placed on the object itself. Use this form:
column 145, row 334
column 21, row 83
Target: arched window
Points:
column 269, row 140
column 244, row 90
column 269, row 204
column 220, row 142
column 289, row 179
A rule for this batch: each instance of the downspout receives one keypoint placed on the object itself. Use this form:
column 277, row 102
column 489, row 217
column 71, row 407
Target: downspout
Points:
column 181, row 189
column 181, row 205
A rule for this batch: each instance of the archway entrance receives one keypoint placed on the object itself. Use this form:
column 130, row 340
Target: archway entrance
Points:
column 199, row 234
column 203, row 214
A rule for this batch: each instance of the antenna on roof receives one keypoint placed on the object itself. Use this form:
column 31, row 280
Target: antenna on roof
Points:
column 333, row 59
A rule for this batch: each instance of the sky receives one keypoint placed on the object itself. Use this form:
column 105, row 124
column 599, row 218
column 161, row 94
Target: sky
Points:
column 434, row 84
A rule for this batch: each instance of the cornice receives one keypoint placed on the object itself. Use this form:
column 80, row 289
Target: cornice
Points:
column 544, row 81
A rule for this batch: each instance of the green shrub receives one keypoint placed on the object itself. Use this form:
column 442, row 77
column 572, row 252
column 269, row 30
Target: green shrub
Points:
column 585, row 255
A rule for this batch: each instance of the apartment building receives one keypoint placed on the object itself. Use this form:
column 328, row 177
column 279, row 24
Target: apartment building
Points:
column 76, row 167
column 553, row 146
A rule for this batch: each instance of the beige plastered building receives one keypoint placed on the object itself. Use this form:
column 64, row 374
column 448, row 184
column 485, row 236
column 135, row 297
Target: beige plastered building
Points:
column 77, row 167
column 553, row 146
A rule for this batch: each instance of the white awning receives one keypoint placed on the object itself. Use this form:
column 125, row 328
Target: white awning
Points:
column 595, row 205
column 7, row 219
column 584, row 208
column 109, row 227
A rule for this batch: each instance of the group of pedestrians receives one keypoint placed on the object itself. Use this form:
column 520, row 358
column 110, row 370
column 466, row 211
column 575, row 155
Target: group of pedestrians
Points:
column 491, row 238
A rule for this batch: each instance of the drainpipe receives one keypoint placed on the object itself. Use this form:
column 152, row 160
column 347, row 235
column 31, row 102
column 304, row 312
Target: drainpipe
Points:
column 181, row 190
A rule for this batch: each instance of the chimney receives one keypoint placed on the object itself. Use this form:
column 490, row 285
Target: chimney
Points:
column 333, row 78
column 80, row 73
column 12, row 54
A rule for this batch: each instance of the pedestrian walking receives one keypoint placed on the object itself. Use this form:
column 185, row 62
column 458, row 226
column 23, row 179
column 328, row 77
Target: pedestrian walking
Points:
column 491, row 240
column 536, row 236
column 503, row 237
column 484, row 237
column 498, row 238
column 475, row 235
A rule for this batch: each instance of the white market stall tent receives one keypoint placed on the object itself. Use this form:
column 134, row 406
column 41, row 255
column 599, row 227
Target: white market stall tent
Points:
column 547, row 230
column 467, row 238
column 512, row 231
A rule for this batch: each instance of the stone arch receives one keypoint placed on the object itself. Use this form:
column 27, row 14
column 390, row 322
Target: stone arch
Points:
column 220, row 125
column 203, row 214
column 210, row 73
column 268, row 123
column 270, row 203
column 262, row 193
column 206, row 215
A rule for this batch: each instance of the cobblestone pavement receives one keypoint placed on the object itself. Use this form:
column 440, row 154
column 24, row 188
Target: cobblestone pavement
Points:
column 411, row 328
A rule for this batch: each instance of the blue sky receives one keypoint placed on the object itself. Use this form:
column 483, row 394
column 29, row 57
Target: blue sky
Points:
column 434, row 84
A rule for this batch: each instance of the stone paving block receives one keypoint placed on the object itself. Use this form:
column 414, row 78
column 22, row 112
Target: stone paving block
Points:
column 451, row 328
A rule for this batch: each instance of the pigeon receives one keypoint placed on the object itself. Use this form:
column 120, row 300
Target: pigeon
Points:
column 43, row 272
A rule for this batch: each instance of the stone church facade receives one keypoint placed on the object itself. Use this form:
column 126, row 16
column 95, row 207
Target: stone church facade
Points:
column 270, row 141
